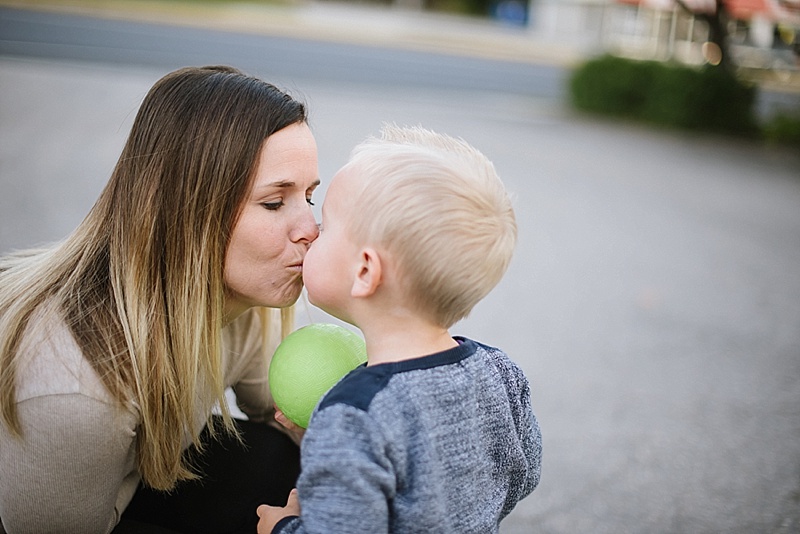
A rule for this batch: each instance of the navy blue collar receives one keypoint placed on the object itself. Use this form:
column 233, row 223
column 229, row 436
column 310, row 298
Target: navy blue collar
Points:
column 465, row 349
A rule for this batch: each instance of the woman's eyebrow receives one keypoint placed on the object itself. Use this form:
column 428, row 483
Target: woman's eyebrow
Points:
column 282, row 184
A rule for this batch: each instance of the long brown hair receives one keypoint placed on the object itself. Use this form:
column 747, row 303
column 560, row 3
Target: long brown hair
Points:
column 140, row 281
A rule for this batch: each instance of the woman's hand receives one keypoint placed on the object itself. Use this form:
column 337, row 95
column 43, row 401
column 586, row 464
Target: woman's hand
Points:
column 269, row 516
column 294, row 431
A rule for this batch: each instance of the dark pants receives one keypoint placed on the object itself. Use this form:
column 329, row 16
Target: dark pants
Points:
column 235, row 480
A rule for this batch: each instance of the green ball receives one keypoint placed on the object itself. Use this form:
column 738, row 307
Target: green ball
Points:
column 309, row 362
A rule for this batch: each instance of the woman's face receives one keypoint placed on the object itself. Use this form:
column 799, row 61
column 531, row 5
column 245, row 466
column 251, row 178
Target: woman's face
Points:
column 264, row 260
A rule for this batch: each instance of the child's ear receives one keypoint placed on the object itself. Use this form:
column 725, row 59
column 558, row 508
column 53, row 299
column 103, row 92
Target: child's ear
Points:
column 369, row 274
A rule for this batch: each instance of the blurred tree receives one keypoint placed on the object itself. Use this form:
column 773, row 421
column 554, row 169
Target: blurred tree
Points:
column 715, row 14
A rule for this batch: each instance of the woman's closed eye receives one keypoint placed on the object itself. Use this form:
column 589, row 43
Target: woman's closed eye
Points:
column 273, row 206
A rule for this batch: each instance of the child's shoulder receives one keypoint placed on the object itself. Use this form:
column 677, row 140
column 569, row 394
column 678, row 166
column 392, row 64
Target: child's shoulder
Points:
column 502, row 363
column 358, row 388
column 491, row 353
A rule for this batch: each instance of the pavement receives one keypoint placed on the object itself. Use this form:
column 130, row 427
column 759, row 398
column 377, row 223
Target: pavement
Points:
column 654, row 299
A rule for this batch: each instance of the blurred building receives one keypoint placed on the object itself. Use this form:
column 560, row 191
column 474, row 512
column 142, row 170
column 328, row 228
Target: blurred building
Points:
column 763, row 34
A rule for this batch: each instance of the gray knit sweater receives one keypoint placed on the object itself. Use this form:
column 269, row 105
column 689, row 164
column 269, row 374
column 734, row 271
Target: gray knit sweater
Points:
column 446, row 443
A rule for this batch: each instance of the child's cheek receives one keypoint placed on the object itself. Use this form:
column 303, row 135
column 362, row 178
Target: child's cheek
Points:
column 311, row 272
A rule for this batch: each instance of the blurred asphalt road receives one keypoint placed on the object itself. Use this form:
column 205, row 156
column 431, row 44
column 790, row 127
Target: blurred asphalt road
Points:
column 654, row 299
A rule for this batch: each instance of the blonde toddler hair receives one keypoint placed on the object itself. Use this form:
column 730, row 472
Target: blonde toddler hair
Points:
column 436, row 205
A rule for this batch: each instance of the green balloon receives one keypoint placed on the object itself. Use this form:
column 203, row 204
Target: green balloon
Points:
column 309, row 362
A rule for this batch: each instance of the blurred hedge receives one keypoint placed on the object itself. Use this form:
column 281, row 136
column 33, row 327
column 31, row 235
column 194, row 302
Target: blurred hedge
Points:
column 784, row 129
column 708, row 98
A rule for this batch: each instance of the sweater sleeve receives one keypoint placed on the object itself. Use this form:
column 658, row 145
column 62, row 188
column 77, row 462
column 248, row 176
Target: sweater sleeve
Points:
column 346, row 481
column 529, row 437
column 71, row 470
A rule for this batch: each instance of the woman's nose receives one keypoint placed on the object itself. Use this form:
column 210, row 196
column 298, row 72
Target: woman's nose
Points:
column 307, row 228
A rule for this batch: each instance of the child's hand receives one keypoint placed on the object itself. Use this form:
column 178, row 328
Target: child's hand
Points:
column 268, row 516
column 295, row 432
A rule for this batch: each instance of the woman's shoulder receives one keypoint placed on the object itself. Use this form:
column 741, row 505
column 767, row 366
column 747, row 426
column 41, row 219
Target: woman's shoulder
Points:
column 51, row 362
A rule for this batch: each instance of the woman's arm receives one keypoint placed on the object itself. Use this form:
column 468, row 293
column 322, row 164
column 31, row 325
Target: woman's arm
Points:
column 74, row 469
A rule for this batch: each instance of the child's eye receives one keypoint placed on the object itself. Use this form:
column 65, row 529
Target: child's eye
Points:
column 310, row 202
column 273, row 206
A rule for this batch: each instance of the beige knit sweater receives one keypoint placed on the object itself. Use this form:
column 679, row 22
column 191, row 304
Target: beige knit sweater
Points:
column 74, row 471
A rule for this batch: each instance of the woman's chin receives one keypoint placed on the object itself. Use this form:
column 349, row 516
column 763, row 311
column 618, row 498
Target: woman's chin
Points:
column 287, row 299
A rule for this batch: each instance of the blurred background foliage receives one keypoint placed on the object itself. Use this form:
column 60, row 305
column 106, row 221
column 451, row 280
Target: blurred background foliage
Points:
column 705, row 98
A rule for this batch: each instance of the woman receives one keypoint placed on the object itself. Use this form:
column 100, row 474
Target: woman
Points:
column 117, row 343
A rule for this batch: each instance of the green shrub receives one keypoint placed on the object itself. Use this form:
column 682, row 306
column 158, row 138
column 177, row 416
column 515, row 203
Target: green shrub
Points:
column 726, row 102
column 609, row 85
column 668, row 94
column 783, row 129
